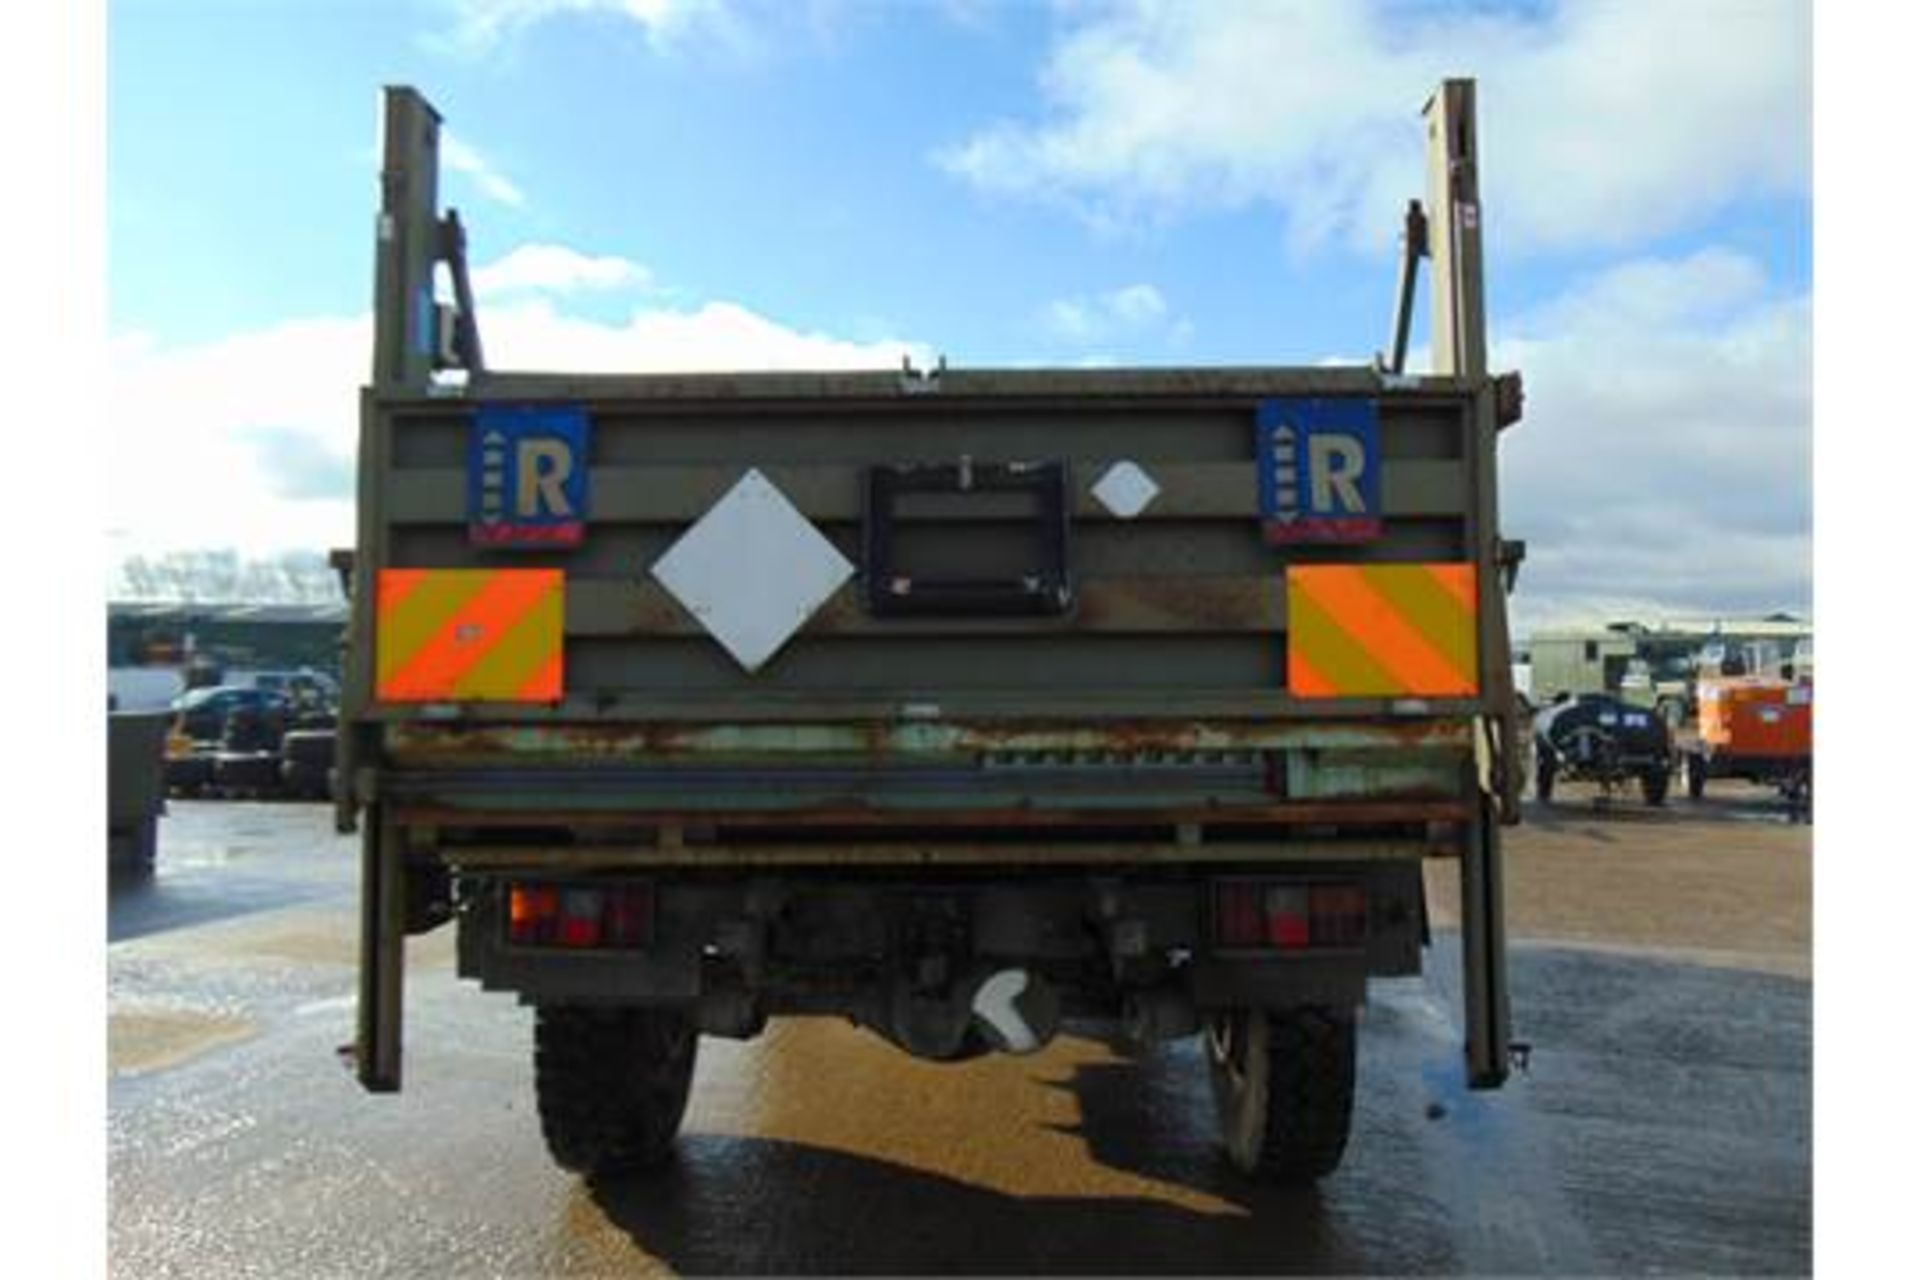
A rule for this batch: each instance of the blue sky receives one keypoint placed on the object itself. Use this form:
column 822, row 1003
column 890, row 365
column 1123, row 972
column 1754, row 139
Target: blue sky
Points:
column 739, row 183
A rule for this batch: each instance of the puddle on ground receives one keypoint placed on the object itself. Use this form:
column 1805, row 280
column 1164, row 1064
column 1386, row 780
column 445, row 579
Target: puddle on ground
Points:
column 141, row 1040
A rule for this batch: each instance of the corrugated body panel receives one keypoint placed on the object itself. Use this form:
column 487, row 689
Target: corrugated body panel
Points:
column 1185, row 599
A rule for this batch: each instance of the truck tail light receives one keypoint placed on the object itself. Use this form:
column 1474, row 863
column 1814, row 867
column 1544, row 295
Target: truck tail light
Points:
column 1269, row 916
column 532, row 912
column 1339, row 913
column 580, row 917
column 615, row 917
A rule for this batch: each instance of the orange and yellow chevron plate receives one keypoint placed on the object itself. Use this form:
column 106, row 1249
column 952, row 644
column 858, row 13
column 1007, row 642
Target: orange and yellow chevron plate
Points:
column 1382, row 630
column 469, row 635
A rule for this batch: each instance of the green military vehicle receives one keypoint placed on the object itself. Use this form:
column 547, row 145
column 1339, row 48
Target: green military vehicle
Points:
column 967, row 705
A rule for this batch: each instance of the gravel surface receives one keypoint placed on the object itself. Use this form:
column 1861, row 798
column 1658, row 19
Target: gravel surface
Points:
column 1722, row 881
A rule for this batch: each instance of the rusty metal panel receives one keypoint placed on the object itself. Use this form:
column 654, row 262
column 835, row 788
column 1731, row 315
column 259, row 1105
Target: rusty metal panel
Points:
column 928, row 853
column 417, row 743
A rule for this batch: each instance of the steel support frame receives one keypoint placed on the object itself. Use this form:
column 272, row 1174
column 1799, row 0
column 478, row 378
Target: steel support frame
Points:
column 382, row 953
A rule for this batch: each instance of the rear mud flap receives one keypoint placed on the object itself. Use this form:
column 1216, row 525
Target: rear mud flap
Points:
column 1483, row 959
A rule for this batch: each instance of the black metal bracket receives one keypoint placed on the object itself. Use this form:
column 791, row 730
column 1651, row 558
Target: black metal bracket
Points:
column 462, row 346
column 1413, row 247
column 1045, row 589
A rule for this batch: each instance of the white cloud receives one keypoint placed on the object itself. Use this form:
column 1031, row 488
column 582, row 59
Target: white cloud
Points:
column 1666, row 454
column 248, row 442
column 1601, row 123
column 550, row 268
column 1131, row 310
column 234, row 443
column 461, row 157
column 714, row 337
column 482, row 25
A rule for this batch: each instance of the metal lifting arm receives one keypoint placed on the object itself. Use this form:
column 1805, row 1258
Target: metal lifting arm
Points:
column 1413, row 247
column 413, row 334
column 1459, row 340
column 1453, row 239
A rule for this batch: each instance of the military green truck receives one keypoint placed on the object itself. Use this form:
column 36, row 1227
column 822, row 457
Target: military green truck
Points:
column 966, row 705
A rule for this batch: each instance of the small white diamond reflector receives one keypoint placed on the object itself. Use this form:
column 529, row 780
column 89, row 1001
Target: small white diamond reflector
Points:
column 1125, row 490
column 752, row 570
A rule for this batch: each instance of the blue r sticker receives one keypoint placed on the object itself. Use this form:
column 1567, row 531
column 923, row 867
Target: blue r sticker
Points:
column 527, row 476
column 1319, row 470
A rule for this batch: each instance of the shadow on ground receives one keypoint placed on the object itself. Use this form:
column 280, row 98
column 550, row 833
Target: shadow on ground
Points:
column 749, row 1205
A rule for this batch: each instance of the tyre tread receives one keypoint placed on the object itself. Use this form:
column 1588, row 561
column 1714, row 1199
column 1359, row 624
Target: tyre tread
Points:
column 611, row 1085
column 1310, row 1066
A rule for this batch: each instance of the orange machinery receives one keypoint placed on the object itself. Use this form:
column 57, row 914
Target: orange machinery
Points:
column 1757, row 716
column 1753, row 727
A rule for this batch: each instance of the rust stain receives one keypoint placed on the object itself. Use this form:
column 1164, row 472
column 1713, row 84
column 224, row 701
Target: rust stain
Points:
column 878, row 740
column 851, row 814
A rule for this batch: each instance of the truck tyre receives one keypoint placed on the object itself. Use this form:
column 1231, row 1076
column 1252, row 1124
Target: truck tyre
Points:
column 1653, row 786
column 1695, row 768
column 1543, row 780
column 611, row 1085
column 1283, row 1088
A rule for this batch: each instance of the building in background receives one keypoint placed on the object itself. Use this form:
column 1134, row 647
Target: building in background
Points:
column 1656, row 664
column 218, row 639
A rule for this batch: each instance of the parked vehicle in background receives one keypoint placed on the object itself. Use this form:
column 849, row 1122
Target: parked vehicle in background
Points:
column 1656, row 665
column 1593, row 737
column 306, row 685
column 1756, row 728
column 202, row 714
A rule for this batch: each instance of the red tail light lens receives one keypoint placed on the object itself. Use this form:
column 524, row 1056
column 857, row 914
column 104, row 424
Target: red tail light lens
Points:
column 1262, row 915
column 1236, row 917
column 580, row 917
column 1288, row 925
column 629, row 917
column 1339, row 915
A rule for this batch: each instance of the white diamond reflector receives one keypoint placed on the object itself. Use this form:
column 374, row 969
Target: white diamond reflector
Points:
column 752, row 570
column 1125, row 490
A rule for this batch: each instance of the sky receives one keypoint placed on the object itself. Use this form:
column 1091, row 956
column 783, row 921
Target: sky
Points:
column 706, row 184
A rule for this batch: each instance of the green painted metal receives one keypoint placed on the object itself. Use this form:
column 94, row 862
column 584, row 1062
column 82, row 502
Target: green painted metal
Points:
column 1176, row 650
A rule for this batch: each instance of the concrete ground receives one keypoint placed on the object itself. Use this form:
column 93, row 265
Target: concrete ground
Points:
column 1660, row 971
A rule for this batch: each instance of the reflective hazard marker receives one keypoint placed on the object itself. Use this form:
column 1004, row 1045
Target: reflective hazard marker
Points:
column 469, row 635
column 1385, row 630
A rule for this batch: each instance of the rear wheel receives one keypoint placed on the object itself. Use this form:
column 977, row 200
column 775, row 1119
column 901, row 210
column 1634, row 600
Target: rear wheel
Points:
column 611, row 1084
column 1283, row 1088
column 1653, row 786
column 1543, row 780
column 1695, row 769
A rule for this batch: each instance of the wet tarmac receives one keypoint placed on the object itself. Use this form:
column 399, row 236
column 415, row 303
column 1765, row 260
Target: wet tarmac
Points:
column 1664, row 1124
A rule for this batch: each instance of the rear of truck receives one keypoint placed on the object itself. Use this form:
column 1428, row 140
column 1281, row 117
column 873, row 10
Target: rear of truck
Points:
column 966, row 705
